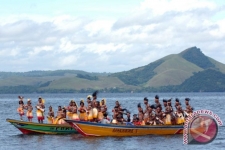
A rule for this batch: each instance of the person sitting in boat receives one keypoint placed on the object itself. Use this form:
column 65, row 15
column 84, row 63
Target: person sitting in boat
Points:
column 179, row 114
column 159, row 115
column 64, row 111
column 105, row 119
column 60, row 116
column 169, row 117
column 40, row 110
column 51, row 115
column 82, row 109
column 140, row 114
column 29, row 109
column 135, row 120
column 20, row 109
column 157, row 103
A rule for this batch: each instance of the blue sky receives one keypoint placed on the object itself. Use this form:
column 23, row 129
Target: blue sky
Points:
column 106, row 36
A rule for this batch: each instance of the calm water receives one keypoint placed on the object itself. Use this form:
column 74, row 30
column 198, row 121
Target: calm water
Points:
column 11, row 138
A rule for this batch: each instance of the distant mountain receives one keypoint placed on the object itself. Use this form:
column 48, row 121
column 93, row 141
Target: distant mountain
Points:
column 188, row 71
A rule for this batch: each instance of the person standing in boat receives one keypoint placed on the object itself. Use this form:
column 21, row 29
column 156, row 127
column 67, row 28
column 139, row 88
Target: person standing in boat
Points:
column 169, row 117
column 157, row 103
column 20, row 109
column 94, row 98
column 69, row 110
column 177, row 103
column 115, row 115
column 146, row 113
column 83, row 111
column 189, row 109
column 40, row 110
column 51, row 115
column 151, row 119
column 179, row 114
column 74, row 109
column 164, row 103
column 89, row 108
column 29, row 109
column 103, row 106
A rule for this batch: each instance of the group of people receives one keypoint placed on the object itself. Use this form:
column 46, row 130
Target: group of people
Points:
column 96, row 111
column 29, row 108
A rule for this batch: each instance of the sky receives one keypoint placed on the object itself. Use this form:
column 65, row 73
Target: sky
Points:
column 106, row 36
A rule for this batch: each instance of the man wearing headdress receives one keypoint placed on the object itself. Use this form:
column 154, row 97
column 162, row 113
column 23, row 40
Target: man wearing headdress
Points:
column 189, row 109
column 157, row 103
column 29, row 109
column 20, row 109
column 159, row 115
column 170, row 119
column 83, row 111
column 51, row 115
column 179, row 114
column 164, row 103
column 40, row 110
column 177, row 103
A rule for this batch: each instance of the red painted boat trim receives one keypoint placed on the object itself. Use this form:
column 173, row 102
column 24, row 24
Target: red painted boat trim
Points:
column 178, row 131
column 25, row 131
column 75, row 126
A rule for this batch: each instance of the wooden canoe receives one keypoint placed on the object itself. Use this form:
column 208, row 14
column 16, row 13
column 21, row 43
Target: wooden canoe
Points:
column 38, row 128
column 98, row 129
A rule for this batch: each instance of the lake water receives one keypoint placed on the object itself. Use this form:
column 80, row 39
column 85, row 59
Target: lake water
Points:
column 11, row 137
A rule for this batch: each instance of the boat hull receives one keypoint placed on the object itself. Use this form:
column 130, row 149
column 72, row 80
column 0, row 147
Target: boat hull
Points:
column 97, row 129
column 37, row 128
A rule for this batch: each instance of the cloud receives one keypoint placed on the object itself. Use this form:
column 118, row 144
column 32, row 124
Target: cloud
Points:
column 153, row 30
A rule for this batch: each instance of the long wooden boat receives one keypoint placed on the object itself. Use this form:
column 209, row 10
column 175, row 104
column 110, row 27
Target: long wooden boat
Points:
column 98, row 129
column 37, row 128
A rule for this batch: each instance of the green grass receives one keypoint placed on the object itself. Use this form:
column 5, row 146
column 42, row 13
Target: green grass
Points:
column 173, row 71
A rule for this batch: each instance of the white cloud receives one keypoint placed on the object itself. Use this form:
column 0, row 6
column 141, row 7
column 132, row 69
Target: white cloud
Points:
column 153, row 30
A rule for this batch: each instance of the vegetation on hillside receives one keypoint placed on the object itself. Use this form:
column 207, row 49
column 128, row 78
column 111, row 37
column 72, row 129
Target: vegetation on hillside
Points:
column 195, row 56
column 139, row 75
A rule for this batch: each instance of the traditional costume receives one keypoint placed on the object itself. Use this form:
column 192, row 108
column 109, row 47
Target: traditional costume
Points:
column 40, row 110
column 20, row 109
column 51, row 115
column 29, row 109
column 82, row 110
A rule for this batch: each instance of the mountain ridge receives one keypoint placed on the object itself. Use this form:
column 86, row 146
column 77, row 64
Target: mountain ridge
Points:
column 172, row 73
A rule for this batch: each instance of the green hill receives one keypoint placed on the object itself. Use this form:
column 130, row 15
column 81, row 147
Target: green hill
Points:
column 209, row 80
column 188, row 71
